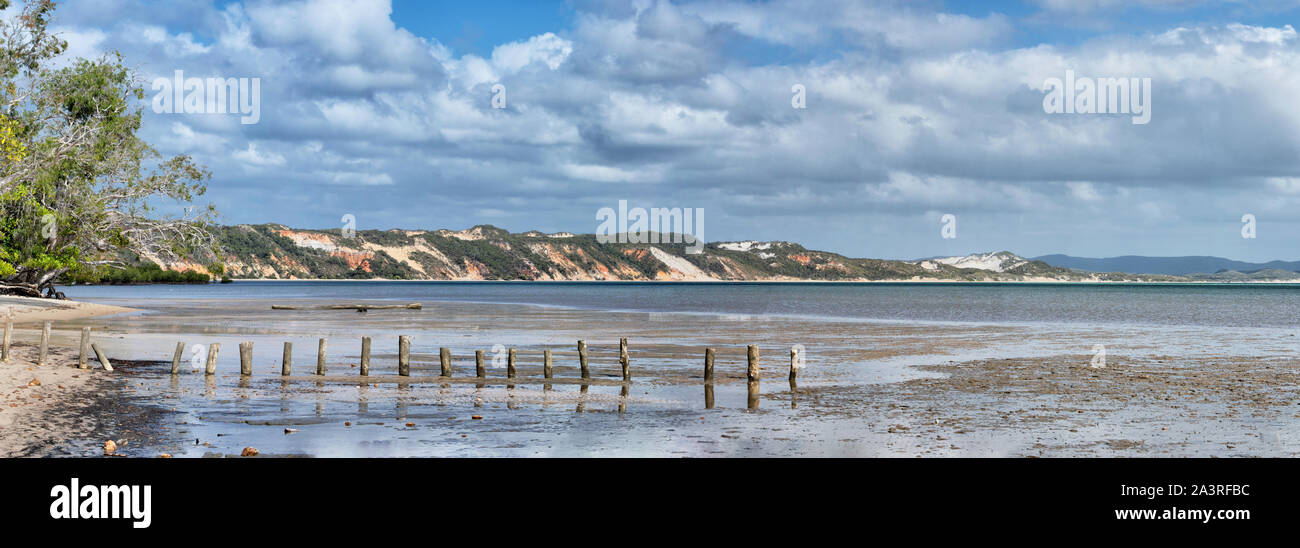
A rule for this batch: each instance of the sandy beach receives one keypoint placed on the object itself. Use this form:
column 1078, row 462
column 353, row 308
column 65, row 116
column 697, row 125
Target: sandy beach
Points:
column 43, row 407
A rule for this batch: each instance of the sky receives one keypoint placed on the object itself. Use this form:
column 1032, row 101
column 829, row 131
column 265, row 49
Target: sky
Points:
column 384, row 110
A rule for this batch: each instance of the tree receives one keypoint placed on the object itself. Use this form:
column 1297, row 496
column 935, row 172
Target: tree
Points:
column 78, row 187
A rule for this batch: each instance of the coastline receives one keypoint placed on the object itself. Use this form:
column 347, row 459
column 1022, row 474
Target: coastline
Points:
column 789, row 281
column 31, row 309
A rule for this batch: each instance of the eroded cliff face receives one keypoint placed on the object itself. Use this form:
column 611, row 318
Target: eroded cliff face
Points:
column 489, row 253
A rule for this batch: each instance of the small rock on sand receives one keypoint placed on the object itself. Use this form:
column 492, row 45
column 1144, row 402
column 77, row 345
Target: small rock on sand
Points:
column 248, row 452
column 110, row 447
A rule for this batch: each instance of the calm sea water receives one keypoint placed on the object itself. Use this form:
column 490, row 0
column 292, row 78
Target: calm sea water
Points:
column 1199, row 305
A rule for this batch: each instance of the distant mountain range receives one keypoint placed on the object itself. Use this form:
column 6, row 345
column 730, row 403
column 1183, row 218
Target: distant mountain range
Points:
column 1174, row 266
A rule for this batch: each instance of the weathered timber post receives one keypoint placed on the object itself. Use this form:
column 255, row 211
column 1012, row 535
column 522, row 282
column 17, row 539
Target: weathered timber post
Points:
column 245, row 358
column 479, row 370
column 176, row 357
column 753, row 376
column 708, row 365
column 365, row 356
column 624, row 360
column 286, row 359
column 320, row 356
column 83, row 359
column 45, row 343
column 404, row 356
column 444, row 359
column 548, row 369
column 9, row 332
column 794, row 362
column 582, row 359
column 103, row 360
column 210, row 368
column 510, row 364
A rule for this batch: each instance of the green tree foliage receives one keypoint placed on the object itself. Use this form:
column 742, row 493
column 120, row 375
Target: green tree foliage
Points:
column 78, row 187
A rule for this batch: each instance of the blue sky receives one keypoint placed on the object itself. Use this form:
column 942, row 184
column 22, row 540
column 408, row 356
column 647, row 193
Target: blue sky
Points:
column 914, row 109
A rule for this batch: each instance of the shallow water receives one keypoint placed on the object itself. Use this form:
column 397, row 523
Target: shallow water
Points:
column 852, row 335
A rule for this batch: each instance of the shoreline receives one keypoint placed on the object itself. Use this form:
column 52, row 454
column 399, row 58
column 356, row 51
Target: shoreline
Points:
column 792, row 281
column 32, row 309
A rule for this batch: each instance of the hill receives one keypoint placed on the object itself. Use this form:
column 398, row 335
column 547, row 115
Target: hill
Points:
column 485, row 252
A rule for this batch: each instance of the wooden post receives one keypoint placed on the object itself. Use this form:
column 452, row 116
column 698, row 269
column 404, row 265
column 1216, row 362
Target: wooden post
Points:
column 624, row 360
column 404, row 356
column 548, row 369
column 211, row 368
column 794, row 362
column 708, row 365
column 286, row 359
column 176, row 358
column 245, row 358
column 479, row 370
column 753, row 362
column 45, row 343
column 582, row 359
column 444, row 358
column 320, row 356
column 83, row 360
column 365, row 356
column 510, row 364
column 9, row 332
column 103, row 360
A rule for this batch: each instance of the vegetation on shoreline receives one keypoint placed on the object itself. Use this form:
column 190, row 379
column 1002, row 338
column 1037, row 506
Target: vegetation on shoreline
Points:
column 485, row 252
column 79, row 188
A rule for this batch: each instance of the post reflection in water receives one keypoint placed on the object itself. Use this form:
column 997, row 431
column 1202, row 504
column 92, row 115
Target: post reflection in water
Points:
column 794, row 394
column 753, row 395
column 363, row 399
column 582, row 399
column 708, row 396
column 403, row 398
column 622, row 400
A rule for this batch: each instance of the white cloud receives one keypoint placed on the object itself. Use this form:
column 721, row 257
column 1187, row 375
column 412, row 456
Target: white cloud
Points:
column 548, row 48
column 908, row 110
column 256, row 158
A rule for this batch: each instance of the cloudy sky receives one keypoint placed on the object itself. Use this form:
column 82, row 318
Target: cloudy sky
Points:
column 383, row 110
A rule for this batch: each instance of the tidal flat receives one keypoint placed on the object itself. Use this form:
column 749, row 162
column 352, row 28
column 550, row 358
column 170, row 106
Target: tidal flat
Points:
column 868, row 387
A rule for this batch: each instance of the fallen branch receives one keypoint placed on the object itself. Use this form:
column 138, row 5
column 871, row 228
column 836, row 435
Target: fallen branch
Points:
column 357, row 307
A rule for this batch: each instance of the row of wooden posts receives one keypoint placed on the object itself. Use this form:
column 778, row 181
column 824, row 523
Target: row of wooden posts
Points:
column 83, row 361
column 444, row 358
column 403, row 357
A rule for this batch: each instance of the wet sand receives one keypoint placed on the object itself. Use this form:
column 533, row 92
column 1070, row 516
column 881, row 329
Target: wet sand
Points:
column 895, row 389
column 29, row 309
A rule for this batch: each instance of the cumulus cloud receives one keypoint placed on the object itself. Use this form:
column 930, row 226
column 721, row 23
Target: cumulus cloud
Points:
column 910, row 112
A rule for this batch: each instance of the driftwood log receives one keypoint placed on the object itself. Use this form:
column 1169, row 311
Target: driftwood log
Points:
column 357, row 307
